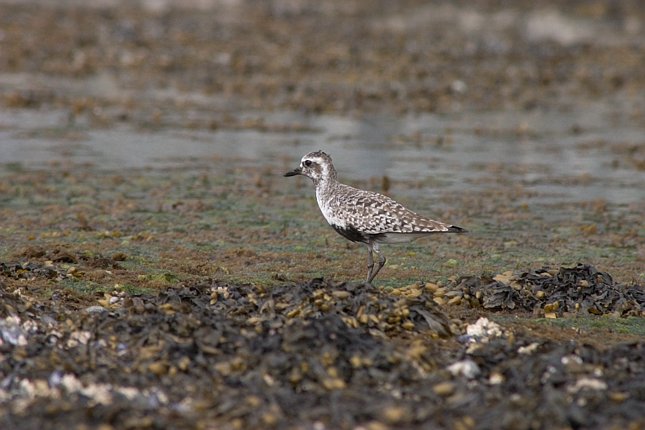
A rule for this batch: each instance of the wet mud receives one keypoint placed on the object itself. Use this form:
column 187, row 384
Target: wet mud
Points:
column 341, row 56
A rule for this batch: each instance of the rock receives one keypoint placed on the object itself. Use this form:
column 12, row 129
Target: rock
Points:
column 95, row 309
column 467, row 368
column 444, row 389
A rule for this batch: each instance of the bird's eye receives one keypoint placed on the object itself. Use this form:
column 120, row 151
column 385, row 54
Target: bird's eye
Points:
column 307, row 163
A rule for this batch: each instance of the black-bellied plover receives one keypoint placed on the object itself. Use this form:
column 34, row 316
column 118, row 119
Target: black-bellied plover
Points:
column 364, row 216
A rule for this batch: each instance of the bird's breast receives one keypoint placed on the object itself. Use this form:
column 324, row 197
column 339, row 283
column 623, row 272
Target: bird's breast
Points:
column 330, row 211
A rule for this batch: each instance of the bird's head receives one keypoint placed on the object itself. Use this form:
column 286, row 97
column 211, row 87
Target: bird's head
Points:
column 317, row 166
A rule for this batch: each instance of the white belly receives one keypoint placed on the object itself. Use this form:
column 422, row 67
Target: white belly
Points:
column 400, row 237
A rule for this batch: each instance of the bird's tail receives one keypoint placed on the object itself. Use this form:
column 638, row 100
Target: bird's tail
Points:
column 455, row 229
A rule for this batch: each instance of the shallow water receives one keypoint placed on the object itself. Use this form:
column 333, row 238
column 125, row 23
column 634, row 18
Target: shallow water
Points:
column 576, row 155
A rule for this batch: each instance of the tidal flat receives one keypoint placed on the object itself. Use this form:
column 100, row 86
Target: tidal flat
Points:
column 157, row 271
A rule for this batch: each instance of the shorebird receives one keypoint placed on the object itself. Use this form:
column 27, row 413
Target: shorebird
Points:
column 364, row 216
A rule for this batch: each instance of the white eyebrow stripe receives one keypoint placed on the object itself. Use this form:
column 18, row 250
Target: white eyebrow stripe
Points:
column 317, row 160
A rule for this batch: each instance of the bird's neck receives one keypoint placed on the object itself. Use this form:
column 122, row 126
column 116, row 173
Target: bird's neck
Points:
column 327, row 180
column 325, row 186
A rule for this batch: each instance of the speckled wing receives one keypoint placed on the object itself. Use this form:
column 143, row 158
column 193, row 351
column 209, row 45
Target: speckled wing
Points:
column 374, row 213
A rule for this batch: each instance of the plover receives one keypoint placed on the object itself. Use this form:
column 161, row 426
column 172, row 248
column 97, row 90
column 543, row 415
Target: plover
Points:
column 364, row 216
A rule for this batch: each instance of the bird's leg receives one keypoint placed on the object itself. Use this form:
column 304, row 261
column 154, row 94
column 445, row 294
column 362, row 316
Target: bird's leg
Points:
column 381, row 263
column 370, row 263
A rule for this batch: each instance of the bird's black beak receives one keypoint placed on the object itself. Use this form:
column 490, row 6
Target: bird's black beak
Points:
column 294, row 172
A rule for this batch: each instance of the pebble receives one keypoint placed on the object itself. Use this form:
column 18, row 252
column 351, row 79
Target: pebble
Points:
column 444, row 389
column 496, row 378
column 95, row 309
column 12, row 332
column 395, row 414
column 484, row 329
column 158, row 368
column 374, row 425
column 618, row 396
column 528, row 349
column 467, row 368
column 587, row 383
